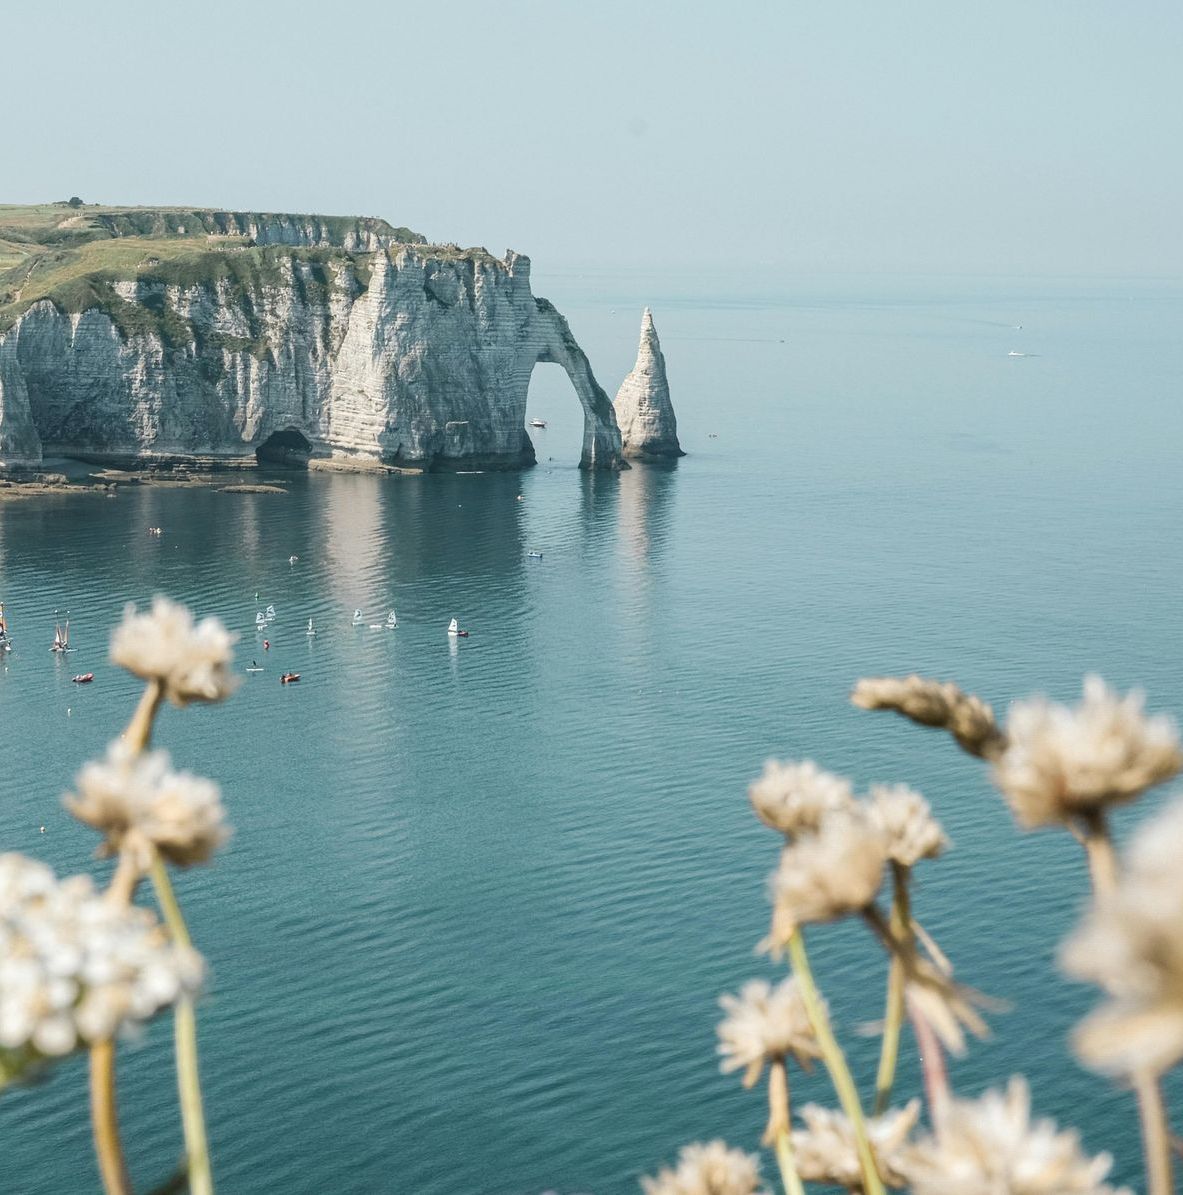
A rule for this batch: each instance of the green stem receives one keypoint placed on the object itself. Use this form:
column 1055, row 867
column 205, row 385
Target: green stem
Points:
column 789, row 1177
column 894, row 1017
column 835, row 1062
column 185, row 1022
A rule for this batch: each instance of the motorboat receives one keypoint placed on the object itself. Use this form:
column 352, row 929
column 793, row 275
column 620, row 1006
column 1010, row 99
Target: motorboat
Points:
column 537, row 422
column 455, row 631
column 83, row 678
column 534, row 555
column 293, row 558
column 289, row 678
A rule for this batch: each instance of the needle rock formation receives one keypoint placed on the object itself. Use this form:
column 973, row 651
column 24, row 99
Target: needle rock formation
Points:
column 648, row 427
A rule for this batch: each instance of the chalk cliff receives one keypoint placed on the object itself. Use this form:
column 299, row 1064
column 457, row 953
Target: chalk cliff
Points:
column 189, row 334
column 648, row 428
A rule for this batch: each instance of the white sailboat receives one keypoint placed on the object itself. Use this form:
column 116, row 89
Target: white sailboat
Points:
column 357, row 618
column 61, row 637
column 392, row 620
column 260, row 620
column 270, row 613
column 455, row 631
column 311, row 629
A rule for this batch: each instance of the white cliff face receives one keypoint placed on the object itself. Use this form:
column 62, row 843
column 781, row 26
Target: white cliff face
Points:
column 648, row 427
column 423, row 361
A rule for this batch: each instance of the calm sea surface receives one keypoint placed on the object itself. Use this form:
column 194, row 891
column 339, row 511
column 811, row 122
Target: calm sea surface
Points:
column 482, row 897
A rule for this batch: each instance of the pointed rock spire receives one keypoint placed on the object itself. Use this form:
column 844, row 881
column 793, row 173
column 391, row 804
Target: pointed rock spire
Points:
column 648, row 426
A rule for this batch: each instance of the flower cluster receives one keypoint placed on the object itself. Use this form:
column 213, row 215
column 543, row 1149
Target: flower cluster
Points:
column 764, row 1024
column 934, row 703
column 826, row 1152
column 794, row 798
column 826, row 875
column 73, row 967
column 191, row 662
column 180, row 814
column 1132, row 946
column 990, row 1145
column 1061, row 763
column 710, row 1169
column 907, row 824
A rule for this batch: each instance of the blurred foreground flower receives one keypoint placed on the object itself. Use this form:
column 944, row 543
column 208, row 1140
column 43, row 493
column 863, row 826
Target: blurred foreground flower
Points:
column 825, row 1150
column 1061, row 763
column 764, row 1024
column 934, row 703
column 794, row 798
column 1131, row 945
column 990, row 1146
column 74, row 968
column 906, row 821
column 823, row 877
column 129, row 793
column 710, row 1169
column 191, row 662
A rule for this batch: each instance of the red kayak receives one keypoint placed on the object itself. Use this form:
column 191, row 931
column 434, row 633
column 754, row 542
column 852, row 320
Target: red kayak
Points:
column 83, row 678
column 289, row 678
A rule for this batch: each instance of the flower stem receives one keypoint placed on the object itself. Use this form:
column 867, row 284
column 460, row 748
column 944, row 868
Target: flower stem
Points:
column 139, row 730
column 932, row 1062
column 104, row 1119
column 1099, row 849
column 894, row 1017
column 835, row 1062
column 185, row 1023
column 789, row 1177
column 1156, row 1140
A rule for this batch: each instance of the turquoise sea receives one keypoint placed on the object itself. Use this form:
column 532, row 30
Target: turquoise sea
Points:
column 482, row 897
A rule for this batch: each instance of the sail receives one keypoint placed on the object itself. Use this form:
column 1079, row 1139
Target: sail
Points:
column 453, row 625
column 391, row 619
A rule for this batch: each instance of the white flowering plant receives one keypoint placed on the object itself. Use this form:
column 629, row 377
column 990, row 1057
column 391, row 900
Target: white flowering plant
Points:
column 846, row 856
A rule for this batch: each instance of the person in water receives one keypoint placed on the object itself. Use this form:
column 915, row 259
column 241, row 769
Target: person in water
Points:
column 266, row 644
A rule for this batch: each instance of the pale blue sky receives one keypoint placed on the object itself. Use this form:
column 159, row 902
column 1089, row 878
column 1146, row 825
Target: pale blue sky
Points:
column 1041, row 136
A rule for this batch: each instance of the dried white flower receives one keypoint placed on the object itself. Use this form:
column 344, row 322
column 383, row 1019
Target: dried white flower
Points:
column 825, row 1149
column 794, row 797
column 990, row 1146
column 710, row 1169
column 907, row 823
column 191, row 662
column 831, row 873
column 180, row 814
column 934, row 703
column 764, row 1023
column 1060, row 762
column 1131, row 945
column 74, row 968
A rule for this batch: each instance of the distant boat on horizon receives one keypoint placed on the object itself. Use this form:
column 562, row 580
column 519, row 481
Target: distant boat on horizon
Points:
column 537, row 422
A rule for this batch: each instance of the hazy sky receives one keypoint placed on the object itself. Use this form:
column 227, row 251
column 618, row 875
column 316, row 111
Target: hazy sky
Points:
column 1032, row 136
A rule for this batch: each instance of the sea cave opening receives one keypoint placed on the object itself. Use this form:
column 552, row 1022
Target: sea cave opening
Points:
column 288, row 447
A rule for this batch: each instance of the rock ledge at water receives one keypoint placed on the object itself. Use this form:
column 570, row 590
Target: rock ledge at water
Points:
column 648, row 427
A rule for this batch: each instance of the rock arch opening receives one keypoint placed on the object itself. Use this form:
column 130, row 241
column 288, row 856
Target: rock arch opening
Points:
column 555, row 418
column 288, row 447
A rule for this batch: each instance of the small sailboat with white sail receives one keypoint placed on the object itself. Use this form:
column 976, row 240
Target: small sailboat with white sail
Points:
column 61, row 636
column 357, row 618
column 269, row 614
column 260, row 620
column 311, row 629
column 391, row 621
column 455, row 631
